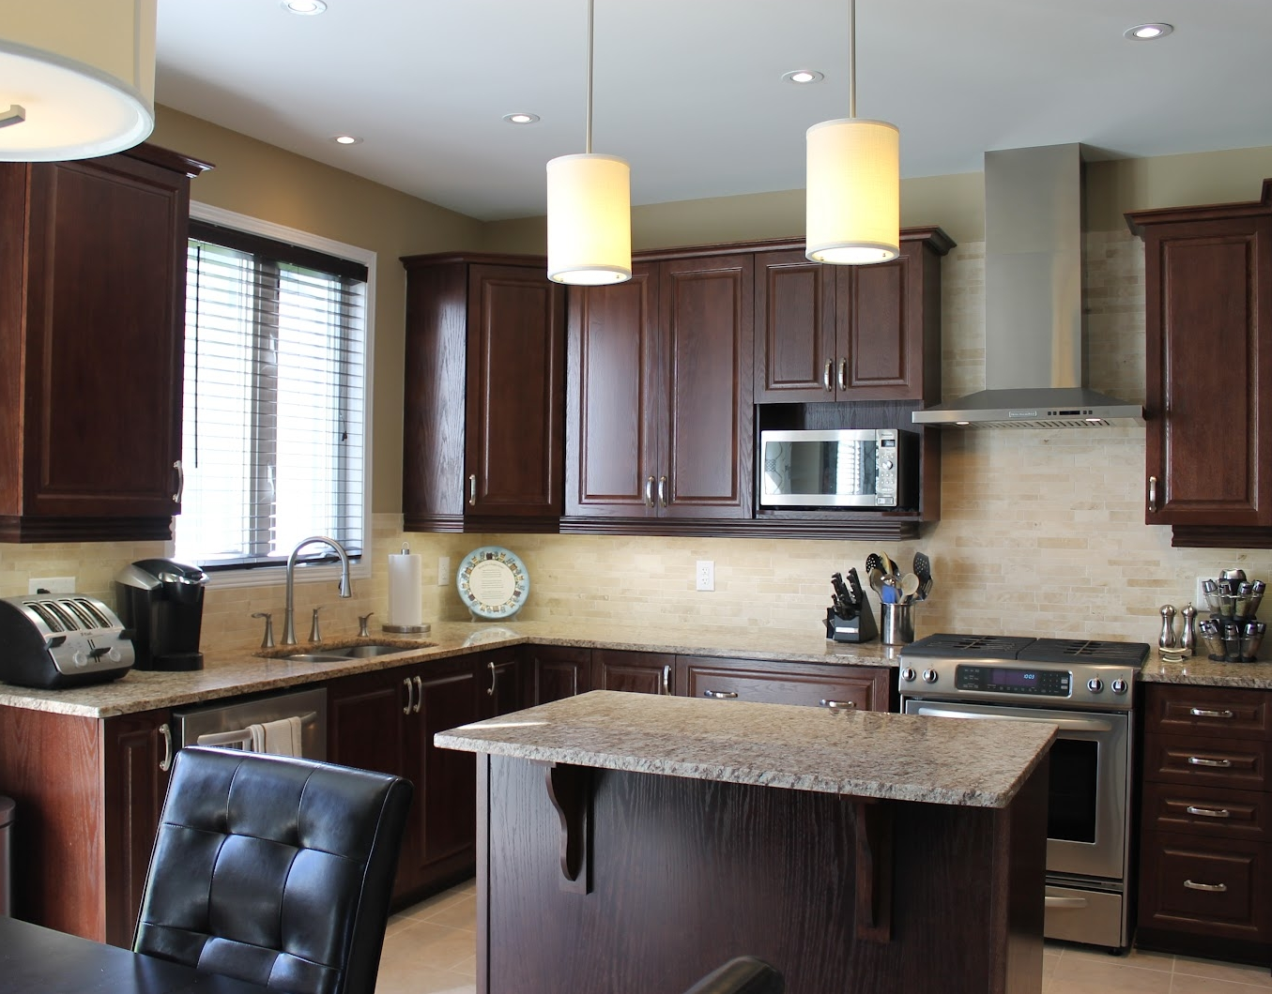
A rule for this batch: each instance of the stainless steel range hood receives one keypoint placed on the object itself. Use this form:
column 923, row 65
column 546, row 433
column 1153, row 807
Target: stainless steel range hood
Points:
column 1033, row 302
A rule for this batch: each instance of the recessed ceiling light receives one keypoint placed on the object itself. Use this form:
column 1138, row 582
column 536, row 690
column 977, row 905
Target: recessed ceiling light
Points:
column 303, row 6
column 521, row 118
column 803, row 76
column 346, row 140
column 1148, row 32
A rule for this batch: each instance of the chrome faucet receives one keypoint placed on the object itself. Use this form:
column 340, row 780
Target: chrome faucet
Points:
column 346, row 585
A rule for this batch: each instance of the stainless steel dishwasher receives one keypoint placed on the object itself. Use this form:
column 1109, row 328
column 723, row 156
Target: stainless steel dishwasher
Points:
column 228, row 725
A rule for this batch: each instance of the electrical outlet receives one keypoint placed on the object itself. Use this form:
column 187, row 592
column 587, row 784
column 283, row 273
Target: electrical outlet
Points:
column 52, row 585
column 705, row 574
column 443, row 571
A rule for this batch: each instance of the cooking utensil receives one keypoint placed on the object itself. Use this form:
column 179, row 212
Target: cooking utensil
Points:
column 874, row 561
column 889, row 567
column 876, row 580
column 909, row 585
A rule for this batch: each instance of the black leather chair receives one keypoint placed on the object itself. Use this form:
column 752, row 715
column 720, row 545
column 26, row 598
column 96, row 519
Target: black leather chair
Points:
column 744, row 975
column 274, row 870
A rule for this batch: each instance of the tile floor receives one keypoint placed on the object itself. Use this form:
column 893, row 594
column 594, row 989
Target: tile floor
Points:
column 431, row 949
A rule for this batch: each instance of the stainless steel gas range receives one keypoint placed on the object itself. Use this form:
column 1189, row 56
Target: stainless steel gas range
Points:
column 1086, row 689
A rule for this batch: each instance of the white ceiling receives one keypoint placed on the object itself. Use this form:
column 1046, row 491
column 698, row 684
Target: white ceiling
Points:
column 689, row 91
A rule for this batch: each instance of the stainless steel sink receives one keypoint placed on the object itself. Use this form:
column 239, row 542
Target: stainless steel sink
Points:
column 352, row 652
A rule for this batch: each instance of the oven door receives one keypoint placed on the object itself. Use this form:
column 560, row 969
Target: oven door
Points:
column 1089, row 788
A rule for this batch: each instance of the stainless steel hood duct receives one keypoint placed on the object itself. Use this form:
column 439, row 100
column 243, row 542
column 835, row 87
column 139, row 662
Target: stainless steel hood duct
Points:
column 1033, row 302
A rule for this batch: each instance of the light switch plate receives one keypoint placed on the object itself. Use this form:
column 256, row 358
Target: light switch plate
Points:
column 443, row 571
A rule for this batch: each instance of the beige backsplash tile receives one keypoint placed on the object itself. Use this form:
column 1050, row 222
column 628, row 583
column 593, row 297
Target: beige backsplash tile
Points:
column 1041, row 532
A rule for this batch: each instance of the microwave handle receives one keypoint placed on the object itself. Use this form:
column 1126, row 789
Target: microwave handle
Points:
column 1064, row 724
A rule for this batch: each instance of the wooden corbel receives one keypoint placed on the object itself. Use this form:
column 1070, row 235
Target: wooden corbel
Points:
column 570, row 791
column 874, row 870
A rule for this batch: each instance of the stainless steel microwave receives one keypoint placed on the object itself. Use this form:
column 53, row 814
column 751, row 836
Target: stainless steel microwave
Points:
column 843, row 467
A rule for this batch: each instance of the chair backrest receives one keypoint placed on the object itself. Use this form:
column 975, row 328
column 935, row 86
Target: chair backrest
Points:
column 743, row 975
column 274, row 870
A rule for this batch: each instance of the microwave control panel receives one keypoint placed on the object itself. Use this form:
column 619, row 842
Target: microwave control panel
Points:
column 886, row 468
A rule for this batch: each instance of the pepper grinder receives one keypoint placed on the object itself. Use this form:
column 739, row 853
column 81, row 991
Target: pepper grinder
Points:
column 1166, row 640
column 1188, row 637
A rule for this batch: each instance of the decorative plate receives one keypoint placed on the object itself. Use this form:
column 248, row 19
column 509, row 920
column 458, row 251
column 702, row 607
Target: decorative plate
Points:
column 493, row 582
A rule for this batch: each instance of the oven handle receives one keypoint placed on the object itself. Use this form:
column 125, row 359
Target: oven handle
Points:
column 1064, row 724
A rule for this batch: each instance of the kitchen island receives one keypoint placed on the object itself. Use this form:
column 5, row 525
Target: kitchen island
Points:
column 632, row 844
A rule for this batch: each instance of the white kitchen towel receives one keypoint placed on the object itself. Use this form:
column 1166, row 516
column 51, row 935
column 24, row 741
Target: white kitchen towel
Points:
column 256, row 742
column 281, row 737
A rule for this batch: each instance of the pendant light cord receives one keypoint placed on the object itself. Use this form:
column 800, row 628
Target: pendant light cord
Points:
column 591, row 13
column 852, row 59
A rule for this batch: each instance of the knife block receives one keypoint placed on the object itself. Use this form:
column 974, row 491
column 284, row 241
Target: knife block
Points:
column 861, row 628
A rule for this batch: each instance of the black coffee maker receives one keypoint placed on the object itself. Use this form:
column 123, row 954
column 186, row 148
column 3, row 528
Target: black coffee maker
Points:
column 161, row 603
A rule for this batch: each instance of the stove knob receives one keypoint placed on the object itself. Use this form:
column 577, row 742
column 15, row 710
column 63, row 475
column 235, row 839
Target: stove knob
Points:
column 1119, row 686
column 1095, row 685
column 929, row 676
column 907, row 675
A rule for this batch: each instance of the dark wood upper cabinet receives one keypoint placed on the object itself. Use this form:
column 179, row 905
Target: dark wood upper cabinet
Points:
column 1208, row 391
column 848, row 333
column 659, row 412
column 484, row 394
column 92, row 326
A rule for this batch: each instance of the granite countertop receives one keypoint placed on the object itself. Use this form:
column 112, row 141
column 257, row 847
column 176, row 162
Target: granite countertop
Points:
column 859, row 754
column 1202, row 672
column 236, row 672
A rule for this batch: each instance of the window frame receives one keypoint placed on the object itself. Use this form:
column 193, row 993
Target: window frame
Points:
column 265, row 576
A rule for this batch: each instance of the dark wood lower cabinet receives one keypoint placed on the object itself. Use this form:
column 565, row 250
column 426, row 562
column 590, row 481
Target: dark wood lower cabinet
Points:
column 634, row 672
column 557, row 671
column 849, row 688
column 88, row 793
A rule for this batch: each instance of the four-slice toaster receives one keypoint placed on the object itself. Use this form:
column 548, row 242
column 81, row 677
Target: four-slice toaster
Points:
column 68, row 640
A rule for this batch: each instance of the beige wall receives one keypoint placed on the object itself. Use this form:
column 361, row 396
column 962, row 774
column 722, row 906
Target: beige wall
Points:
column 1041, row 531
column 265, row 182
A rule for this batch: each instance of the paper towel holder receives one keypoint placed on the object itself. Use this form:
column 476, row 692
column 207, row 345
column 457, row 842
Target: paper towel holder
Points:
column 407, row 629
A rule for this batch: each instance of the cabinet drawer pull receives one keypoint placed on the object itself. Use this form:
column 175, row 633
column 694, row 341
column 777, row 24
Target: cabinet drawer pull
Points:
column 494, row 678
column 662, row 491
column 1192, row 809
column 1152, row 494
column 666, row 680
column 1203, row 761
column 166, row 734
column 1204, row 713
column 839, row 705
column 410, row 695
column 720, row 695
column 472, row 489
column 649, row 492
column 826, row 374
column 419, row 693
column 843, row 374
column 1208, row 888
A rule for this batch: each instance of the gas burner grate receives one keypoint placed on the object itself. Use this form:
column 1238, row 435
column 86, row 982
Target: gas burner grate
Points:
column 968, row 646
column 1087, row 651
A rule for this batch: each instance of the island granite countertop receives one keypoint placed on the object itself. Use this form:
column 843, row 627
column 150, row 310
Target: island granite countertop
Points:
column 236, row 672
column 859, row 754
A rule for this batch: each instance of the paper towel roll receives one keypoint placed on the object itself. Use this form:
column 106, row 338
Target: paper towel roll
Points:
column 406, row 590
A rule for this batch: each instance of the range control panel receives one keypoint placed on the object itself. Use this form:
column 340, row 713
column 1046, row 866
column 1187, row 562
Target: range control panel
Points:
column 1013, row 680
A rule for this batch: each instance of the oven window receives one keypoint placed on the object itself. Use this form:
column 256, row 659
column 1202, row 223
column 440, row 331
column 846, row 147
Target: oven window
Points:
column 1074, row 782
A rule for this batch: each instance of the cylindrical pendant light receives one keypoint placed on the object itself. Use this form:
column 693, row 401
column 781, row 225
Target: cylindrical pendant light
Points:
column 853, row 183
column 77, row 79
column 589, row 209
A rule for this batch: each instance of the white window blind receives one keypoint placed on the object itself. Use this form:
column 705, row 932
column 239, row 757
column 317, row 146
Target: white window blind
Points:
column 273, row 425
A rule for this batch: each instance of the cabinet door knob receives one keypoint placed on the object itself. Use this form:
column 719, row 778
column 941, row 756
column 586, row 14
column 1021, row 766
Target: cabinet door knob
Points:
column 826, row 374
column 419, row 693
column 1192, row 809
column 1208, row 888
column 843, row 374
column 839, row 705
column 662, row 491
column 1207, row 713
column 1152, row 494
column 721, row 695
column 1221, row 764
column 410, row 697
column 649, row 492
column 666, row 680
column 176, row 498
column 494, row 678
column 472, row 490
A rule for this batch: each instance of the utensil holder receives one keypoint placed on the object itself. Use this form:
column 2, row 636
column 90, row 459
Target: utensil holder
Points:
column 896, row 624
